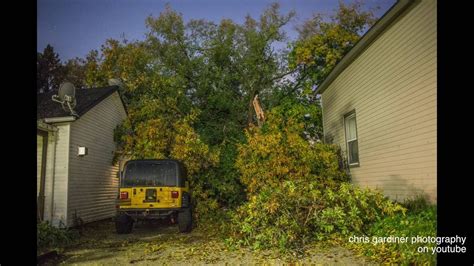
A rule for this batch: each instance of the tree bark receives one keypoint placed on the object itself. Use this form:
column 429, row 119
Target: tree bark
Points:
column 250, row 108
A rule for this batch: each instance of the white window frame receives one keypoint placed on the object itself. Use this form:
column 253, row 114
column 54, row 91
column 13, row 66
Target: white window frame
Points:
column 351, row 114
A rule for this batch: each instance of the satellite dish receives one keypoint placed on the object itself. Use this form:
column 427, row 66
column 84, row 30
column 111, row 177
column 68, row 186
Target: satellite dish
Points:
column 66, row 97
column 66, row 89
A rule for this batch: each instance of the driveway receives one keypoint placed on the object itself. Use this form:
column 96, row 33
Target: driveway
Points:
column 152, row 244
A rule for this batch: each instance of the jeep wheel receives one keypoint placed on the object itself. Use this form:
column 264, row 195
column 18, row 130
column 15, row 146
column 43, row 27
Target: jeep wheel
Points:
column 185, row 220
column 123, row 224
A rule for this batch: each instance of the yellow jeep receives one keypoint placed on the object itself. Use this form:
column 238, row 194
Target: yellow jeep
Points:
column 153, row 189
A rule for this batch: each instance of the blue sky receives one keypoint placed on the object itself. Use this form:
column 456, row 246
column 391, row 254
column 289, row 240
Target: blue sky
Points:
column 74, row 27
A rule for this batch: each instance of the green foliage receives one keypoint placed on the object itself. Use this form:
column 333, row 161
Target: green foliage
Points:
column 296, row 213
column 93, row 76
column 188, row 88
column 49, row 71
column 417, row 203
column 223, row 182
column 322, row 43
column 420, row 223
column 75, row 72
column 279, row 151
column 350, row 209
column 296, row 190
column 305, row 112
column 48, row 236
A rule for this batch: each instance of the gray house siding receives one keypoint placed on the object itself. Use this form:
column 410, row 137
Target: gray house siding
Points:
column 392, row 87
column 93, row 180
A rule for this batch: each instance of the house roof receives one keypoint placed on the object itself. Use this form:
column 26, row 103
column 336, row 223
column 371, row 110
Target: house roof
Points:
column 369, row 37
column 85, row 100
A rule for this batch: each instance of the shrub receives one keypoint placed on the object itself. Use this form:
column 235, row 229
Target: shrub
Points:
column 349, row 209
column 50, row 236
column 420, row 223
column 296, row 213
column 278, row 152
column 417, row 203
column 297, row 191
column 223, row 181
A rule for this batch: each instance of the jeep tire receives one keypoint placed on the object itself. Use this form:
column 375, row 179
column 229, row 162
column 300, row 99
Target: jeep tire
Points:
column 185, row 220
column 123, row 224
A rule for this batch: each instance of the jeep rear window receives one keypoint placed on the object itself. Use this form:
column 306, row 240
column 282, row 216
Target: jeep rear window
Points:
column 150, row 174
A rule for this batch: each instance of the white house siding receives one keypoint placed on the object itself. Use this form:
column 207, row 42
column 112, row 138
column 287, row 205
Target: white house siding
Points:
column 50, row 170
column 56, row 178
column 39, row 157
column 392, row 88
column 93, row 181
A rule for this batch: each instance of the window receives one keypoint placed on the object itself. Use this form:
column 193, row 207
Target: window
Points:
column 154, row 174
column 351, row 138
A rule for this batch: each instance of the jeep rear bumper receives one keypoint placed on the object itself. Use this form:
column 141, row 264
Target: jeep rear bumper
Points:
column 147, row 214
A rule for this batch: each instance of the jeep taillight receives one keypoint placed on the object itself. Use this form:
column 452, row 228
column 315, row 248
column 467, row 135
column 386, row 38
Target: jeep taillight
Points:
column 175, row 194
column 124, row 195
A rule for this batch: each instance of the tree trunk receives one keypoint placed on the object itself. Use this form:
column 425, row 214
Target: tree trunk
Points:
column 250, row 111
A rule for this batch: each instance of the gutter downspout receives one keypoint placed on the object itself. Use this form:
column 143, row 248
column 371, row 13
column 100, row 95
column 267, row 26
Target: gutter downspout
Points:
column 53, row 173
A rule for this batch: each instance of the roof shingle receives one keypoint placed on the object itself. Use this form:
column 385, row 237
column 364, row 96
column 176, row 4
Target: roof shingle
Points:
column 85, row 100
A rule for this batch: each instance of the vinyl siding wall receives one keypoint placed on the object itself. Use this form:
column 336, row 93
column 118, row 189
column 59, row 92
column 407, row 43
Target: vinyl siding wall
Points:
column 392, row 88
column 39, row 156
column 93, row 181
